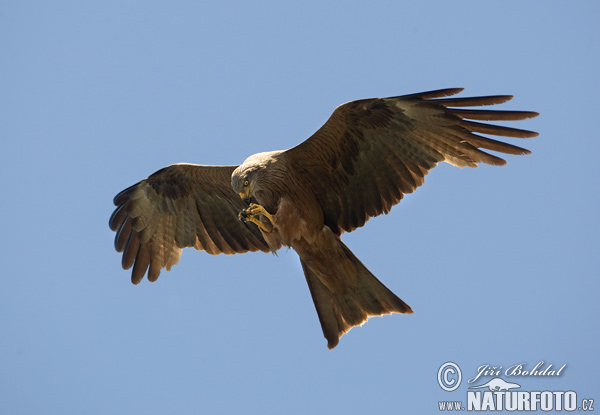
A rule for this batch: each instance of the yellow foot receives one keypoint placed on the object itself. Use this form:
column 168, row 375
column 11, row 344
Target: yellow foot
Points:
column 251, row 214
column 256, row 210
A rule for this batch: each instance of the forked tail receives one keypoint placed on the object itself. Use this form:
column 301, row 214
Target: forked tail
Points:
column 346, row 294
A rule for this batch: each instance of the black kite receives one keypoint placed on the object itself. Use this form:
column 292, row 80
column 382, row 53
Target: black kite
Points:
column 366, row 157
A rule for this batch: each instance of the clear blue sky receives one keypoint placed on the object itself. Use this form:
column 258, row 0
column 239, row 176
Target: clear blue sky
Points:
column 500, row 264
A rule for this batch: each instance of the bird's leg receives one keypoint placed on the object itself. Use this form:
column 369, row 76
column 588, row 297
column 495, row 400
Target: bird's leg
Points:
column 256, row 210
column 255, row 220
column 251, row 213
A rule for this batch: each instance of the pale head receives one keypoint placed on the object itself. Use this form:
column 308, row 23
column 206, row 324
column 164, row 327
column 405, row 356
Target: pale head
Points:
column 247, row 178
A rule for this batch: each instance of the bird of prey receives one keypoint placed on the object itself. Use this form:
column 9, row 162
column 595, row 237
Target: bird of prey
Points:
column 359, row 164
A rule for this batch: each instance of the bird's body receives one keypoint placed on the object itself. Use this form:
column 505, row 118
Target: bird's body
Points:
column 356, row 166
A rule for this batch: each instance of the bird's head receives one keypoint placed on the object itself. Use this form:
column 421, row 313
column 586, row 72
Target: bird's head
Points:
column 243, row 181
column 248, row 179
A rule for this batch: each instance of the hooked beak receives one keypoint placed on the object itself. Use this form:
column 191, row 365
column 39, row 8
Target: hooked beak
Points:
column 245, row 196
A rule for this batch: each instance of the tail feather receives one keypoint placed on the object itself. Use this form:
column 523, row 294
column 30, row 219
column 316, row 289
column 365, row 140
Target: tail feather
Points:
column 361, row 296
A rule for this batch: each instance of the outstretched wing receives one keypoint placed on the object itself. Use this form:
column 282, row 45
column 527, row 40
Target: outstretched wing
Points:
column 182, row 205
column 372, row 152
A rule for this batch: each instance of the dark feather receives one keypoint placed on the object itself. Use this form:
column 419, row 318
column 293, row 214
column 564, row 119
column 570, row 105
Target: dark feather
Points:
column 179, row 206
column 376, row 150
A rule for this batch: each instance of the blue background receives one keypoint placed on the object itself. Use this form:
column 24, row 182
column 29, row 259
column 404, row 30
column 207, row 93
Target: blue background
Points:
column 500, row 264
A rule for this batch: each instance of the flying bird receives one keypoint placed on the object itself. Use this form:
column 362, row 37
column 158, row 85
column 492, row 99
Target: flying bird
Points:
column 359, row 164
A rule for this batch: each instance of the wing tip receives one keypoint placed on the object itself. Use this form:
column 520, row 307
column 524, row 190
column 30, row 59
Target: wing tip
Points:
column 437, row 93
column 530, row 134
column 121, row 197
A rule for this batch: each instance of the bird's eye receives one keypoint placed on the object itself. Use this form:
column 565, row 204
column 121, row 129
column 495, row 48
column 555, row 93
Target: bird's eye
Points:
column 246, row 183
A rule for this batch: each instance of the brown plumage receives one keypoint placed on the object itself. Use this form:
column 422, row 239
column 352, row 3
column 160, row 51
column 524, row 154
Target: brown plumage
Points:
column 359, row 164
